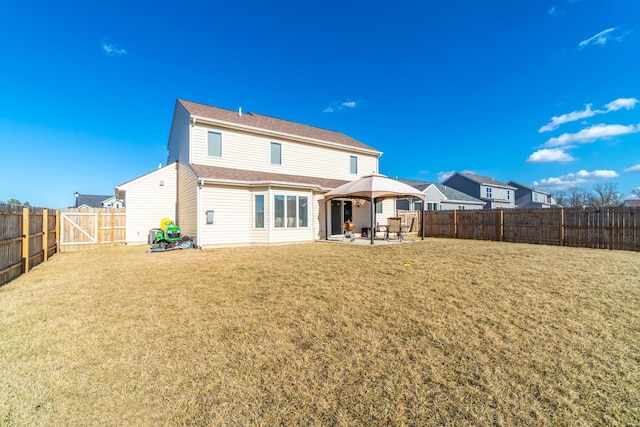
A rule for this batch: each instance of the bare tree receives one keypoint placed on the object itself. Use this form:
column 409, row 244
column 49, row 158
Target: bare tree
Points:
column 577, row 197
column 636, row 192
column 605, row 195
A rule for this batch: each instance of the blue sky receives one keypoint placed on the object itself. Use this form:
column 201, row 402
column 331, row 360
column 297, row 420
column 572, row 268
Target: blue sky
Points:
column 541, row 92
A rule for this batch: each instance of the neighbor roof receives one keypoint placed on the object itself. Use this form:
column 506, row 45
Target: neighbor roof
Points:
column 256, row 177
column 526, row 187
column 448, row 192
column 93, row 201
column 485, row 180
column 258, row 121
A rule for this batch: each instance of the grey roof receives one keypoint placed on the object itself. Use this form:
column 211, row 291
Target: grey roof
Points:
column 449, row 193
column 527, row 187
column 485, row 180
column 453, row 194
column 93, row 201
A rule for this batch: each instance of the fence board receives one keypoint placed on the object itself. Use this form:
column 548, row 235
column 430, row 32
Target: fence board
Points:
column 26, row 239
column 90, row 228
column 602, row 228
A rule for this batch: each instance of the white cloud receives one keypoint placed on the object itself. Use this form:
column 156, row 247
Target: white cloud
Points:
column 592, row 134
column 556, row 121
column 443, row 176
column 574, row 179
column 618, row 104
column 633, row 169
column 341, row 105
column 550, row 155
column 112, row 49
column 599, row 39
column 554, row 11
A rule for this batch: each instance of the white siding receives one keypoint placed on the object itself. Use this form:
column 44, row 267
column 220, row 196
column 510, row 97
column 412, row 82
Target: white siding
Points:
column 147, row 202
column 187, row 216
column 252, row 152
column 179, row 137
column 452, row 205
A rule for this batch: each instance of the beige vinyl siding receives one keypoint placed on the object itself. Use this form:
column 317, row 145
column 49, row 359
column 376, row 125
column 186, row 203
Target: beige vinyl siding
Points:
column 253, row 152
column 179, row 137
column 187, row 215
column 295, row 234
column 260, row 235
column 233, row 216
column 318, row 215
column 147, row 202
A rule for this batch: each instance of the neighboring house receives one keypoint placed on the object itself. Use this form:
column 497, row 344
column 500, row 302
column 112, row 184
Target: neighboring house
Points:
column 532, row 198
column 439, row 197
column 244, row 178
column 496, row 194
column 94, row 201
column 631, row 203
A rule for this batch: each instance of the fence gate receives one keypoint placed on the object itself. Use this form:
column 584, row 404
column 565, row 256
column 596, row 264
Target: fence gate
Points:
column 88, row 228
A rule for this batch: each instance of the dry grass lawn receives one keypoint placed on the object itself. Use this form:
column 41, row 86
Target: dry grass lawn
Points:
column 471, row 333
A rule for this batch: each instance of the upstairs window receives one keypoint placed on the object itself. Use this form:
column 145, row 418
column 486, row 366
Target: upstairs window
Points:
column 489, row 193
column 354, row 165
column 214, row 144
column 508, row 194
column 276, row 153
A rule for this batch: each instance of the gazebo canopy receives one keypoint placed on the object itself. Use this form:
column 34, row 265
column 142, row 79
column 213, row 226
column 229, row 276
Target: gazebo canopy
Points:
column 374, row 188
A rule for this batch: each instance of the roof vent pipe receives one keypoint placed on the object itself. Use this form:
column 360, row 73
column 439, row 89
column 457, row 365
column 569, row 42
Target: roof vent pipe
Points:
column 240, row 111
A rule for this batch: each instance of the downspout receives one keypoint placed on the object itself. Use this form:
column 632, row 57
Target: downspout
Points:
column 199, row 184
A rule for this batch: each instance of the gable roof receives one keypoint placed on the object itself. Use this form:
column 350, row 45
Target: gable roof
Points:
column 448, row 192
column 527, row 187
column 453, row 194
column 632, row 203
column 249, row 177
column 259, row 121
column 484, row 180
column 92, row 201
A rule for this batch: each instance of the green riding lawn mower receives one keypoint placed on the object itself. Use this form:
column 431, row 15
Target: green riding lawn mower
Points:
column 168, row 237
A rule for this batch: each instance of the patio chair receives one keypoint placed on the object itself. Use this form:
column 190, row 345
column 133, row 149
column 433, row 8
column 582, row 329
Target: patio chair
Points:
column 394, row 226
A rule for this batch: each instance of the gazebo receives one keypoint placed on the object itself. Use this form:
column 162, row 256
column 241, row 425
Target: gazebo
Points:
column 373, row 188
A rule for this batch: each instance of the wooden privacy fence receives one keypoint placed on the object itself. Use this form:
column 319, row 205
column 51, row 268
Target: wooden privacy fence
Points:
column 603, row 228
column 29, row 236
column 90, row 228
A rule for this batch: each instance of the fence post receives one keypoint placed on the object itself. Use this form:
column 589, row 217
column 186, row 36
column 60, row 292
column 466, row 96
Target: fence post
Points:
column 45, row 233
column 455, row 224
column 58, row 228
column 501, row 225
column 25, row 238
column 562, row 227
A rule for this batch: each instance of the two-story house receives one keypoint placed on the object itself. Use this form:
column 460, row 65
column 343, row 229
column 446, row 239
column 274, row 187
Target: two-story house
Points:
column 496, row 194
column 439, row 197
column 245, row 178
column 532, row 198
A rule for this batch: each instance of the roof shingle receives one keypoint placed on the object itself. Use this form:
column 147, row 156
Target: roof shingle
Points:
column 273, row 124
column 249, row 177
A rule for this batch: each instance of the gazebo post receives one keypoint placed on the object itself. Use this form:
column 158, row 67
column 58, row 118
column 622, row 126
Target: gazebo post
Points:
column 422, row 221
column 372, row 231
column 326, row 221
